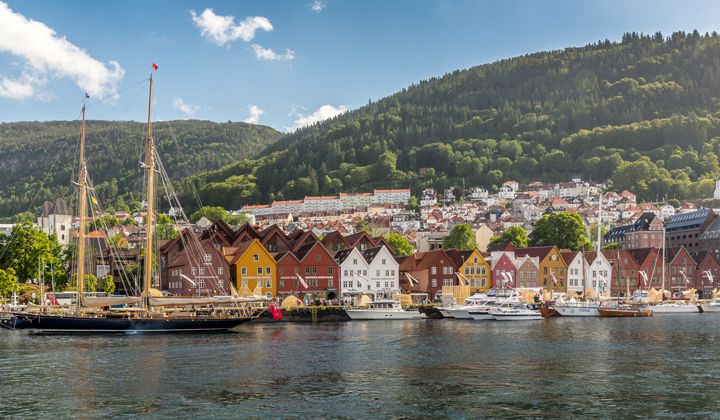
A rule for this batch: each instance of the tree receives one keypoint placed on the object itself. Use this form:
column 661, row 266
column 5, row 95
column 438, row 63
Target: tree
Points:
column 164, row 229
column 400, row 244
column 564, row 230
column 212, row 213
column 8, row 282
column 236, row 219
column 25, row 216
column 363, row 226
column 461, row 237
column 109, row 285
column 26, row 248
column 514, row 235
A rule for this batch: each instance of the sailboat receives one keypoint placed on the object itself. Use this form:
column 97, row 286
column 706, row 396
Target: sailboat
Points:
column 585, row 308
column 152, row 315
column 671, row 307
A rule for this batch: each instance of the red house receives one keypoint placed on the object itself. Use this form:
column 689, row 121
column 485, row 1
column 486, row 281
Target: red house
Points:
column 314, row 264
column 649, row 261
column 707, row 273
column 624, row 270
column 195, row 267
column 431, row 271
column 682, row 270
column 504, row 264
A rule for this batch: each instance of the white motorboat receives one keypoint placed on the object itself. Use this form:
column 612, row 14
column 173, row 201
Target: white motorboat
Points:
column 675, row 308
column 584, row 309
column 382, row 309
column 482, row 311
column 461, row 311
column 713, row 306
column 516, row 313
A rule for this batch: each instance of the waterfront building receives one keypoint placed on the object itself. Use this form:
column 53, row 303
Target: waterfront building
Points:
column 598, row 273
column 353, row 270
column 527, row 271
column 552, row 274
column 624, row 270
column 315, row 265
column 504, row 268
column 707, row 262
column 685, row 229
column 383, row 271
column 472, row 268
column 252, row 268
column 649, row 261
column 428, row 273
column 575, row 271
column 202, row 270
column 682, row 270
column 56, row 219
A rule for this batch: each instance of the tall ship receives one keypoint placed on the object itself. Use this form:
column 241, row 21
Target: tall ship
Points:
column 147, row 312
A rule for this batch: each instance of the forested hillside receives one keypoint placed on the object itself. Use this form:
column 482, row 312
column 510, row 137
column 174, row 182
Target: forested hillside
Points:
column 642, row 113
column 40, row 158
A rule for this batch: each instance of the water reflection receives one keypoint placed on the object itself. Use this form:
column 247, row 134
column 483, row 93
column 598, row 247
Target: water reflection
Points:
column 659, row 366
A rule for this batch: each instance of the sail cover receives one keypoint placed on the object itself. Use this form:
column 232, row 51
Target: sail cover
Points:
column 99, row 302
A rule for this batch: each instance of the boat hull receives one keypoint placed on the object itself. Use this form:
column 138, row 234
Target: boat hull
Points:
column 459, row 313
column 710, row 308
column 518, row 317
column 624, row 313
column 578, row 311
column 445, row 313
column 370, row 315
column 481, row 316
column 105, row 325
column 548, row 311
column 680, row 309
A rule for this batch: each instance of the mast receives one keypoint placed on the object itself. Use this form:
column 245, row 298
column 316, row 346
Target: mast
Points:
column 662, row 288
column 599, row 224
column 81, row 231
column 150, row 164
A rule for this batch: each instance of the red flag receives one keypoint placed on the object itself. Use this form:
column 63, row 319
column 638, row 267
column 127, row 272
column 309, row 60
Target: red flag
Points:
column 155, row 66
column 275, row 312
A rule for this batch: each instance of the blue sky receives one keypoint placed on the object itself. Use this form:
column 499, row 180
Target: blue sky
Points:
column 319, row 58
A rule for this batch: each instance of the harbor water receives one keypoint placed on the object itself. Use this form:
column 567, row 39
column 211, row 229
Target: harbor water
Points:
column 562, row 367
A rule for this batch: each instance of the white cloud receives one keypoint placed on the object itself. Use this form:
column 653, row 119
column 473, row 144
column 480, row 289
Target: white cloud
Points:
column 223, row 29
column 48, row 55
column 268, row 54
column 185, row 108
column 255, row 113
column 322, row 113
column 317, row 6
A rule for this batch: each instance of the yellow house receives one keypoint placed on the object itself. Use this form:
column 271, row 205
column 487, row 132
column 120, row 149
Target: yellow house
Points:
column 551, row 262
column 472, row 269
column 252, row 268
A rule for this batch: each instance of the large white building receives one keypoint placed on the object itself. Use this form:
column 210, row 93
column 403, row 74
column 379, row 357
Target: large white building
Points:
column 353, row 272
column 383, row 272
column 400, row 196
column 717, row 189
column 293, row 207
column 314, row 204
column 56, row 219
column 575, row 271
column 352, row 200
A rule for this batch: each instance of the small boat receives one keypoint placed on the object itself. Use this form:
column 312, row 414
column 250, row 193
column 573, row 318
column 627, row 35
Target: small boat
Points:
column 675, row 308
column 516, row 313
column 462, row 311
column 382, row 309
column 712, row 306
column 548, row 310
column 481, row 312
column 624, row 311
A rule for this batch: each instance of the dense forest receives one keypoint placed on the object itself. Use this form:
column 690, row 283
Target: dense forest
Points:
column 39, row 159
column 642, row 113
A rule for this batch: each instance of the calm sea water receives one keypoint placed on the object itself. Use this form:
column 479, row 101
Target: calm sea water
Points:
column 660, row 366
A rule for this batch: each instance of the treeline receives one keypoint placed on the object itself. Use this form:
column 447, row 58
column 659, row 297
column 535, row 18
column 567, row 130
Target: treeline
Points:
column 600, row 111
column 40, row 158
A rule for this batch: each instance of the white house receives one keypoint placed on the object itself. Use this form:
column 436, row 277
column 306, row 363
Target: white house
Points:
column 575, row 271
column 477, row 194
column 667, row 211
column 56, row 219
column 383, row 272
column 506, row 192
column 428, row 197
column 353, row 272
column 598, row 272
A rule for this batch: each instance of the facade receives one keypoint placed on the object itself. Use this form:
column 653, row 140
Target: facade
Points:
column 397, row 196
column 598, row 273
column 576, row 271
column 707, row 273
column 204, row 271
column 527, row 272
column 252, row 268
column 685, row 229
column 649, row 261
column 624, row 271
column 56, row 219
column 383, row 271
column 353, row 272
column 552, row 273
column 710, row 238
column 320, row 204
column 645, row 232
column 504, row 269
column 433, row 270
column 353, row 200
column 682, row 270
column 473, row 269
column 319, row 271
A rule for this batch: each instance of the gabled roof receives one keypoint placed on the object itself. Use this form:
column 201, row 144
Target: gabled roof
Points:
column 640, row 254
column 569, row 256
column 280, row 255
column 343, row 254
column 302, row 240
column 334, row 236
column 536, row 251
column 459, row 257
column 672, row 253
column 370, row 253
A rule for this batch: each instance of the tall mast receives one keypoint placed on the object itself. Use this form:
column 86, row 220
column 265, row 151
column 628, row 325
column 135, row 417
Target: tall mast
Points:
column 662, row 288
column 599, row 225
column 81, row 231
column 150, row 163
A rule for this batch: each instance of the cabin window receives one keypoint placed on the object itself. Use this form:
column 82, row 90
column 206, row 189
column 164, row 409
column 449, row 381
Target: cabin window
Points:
column 243, row 271
column 256, row 257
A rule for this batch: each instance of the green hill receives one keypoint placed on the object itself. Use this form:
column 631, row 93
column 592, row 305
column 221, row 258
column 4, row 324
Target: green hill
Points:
column 40, row 158
column 642, row 113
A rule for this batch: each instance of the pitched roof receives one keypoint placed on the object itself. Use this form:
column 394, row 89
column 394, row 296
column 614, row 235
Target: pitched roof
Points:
column 640, row 254
column 569, row 256
column 370, row 253
column 458, row 257
column 537, row 251
column 342, row 255
column 688, row 220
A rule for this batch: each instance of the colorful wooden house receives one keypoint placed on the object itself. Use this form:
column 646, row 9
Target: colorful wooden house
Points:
column 252, row 268
column 472, row 269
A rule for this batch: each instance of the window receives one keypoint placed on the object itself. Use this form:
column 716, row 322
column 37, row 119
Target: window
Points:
column 268, row 283
column 62, row 227
column 383, row 261
column 434, row 283
column 317, row 257
column 221, row 283
column 433, row 270
column 281, row 270
column 392, row 272
column 220, row 271
column 207, row 258
column 354, row 261
column 330, row 270
column 243, row 271
column 281, row 283
column 345, row 273
column 314, row 270
column 259, row 270
column 330, row 283
column 307, row 270
column 194, row 271
column 256, row 257
column 377, row 273
column 377, row 284
column 201, row 283
column 202, row 271
column 475, row 260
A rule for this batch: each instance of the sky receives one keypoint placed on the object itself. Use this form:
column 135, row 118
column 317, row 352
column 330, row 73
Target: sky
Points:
column 282, row 63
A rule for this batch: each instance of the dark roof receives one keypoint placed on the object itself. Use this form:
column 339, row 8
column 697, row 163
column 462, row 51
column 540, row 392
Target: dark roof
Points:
column 640, row 254
column 537, row 251
column 370, row 253
column 641, row 224
column 342, row 255
column 569, row 256
column 712, row 231
column 458, row 257
column 688, row 220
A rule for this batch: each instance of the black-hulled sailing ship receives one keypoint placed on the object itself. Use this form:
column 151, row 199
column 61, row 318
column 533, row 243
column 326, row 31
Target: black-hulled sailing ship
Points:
column 152, row 314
